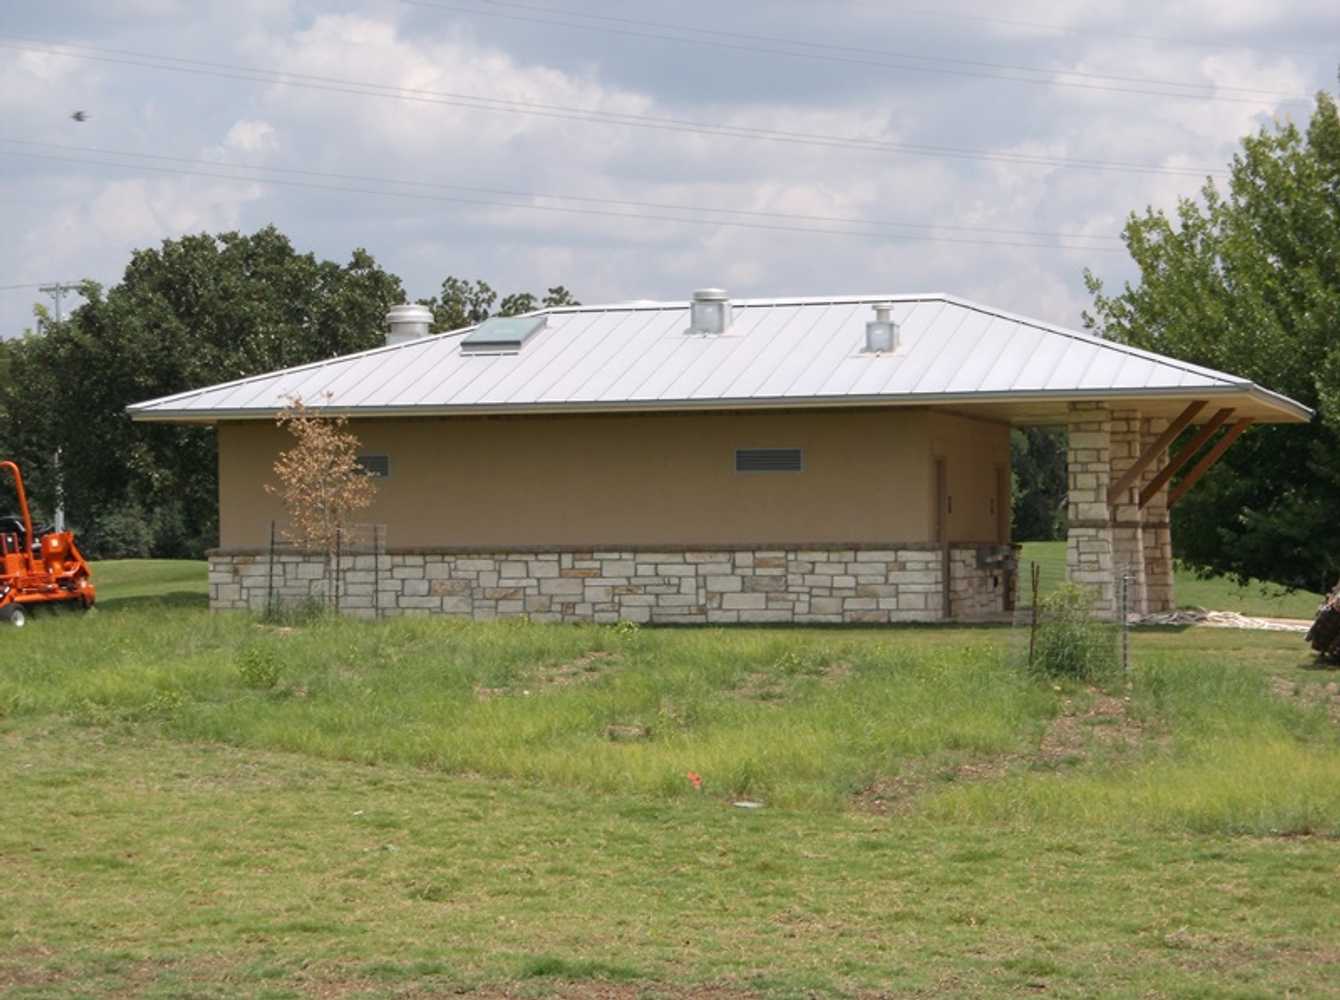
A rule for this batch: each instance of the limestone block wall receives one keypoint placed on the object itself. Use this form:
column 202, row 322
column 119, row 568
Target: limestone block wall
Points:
column 1159, row 594
column 898, row 583
column 1128, row 536
column 1111, row 537
column 1089, row 549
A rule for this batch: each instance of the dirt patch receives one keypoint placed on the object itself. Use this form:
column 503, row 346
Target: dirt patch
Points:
column 616, row 991
column 772, row 686
column 835, row 673
column 33, row 971
column 1075, row 732
column 582, row 670
column 759, row 686
column 1325, row 696
column 1082, row 727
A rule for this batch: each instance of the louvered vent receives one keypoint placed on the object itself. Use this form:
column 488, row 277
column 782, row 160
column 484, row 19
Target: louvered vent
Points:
column 769, row 460
column 376, row 466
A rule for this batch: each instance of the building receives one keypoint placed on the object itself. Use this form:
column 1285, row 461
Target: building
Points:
column 806, row 460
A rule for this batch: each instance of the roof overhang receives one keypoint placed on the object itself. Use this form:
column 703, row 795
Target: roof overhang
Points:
column 1019, row 406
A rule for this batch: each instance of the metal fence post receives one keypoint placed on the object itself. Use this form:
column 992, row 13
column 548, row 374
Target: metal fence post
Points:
column 376, row 572
column 270, row 577
column 335, row 583
column 1123, row 612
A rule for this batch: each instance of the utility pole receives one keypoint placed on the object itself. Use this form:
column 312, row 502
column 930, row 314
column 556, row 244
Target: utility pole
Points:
column 58, row 291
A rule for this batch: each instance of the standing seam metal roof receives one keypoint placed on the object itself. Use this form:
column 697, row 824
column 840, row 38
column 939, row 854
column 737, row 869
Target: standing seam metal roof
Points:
column 777, row 351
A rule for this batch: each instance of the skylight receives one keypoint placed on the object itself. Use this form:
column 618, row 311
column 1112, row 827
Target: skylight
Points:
column 502, row 334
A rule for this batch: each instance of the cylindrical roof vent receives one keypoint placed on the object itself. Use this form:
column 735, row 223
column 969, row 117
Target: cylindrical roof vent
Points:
column 710, row 311
column 407, row 322
column 881, row 333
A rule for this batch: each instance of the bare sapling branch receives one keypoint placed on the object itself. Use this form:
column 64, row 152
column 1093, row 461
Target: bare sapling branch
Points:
column 319, row 478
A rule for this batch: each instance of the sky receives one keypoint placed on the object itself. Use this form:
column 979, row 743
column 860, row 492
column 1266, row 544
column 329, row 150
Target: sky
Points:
column 636, row 150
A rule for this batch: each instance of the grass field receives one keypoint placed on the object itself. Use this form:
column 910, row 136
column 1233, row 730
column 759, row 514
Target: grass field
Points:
column 1213, row 594
column 206, row 806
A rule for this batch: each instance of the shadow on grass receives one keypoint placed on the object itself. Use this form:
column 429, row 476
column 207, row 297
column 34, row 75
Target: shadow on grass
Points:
column 176, row 600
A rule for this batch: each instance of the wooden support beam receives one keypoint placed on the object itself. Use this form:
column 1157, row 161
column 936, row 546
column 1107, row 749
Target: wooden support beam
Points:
column 1205, row 464
column 1151, row 453
column 1185, row 455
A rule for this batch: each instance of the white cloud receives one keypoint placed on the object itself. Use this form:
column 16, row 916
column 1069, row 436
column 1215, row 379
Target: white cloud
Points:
column 250, row 136
column 84, row 219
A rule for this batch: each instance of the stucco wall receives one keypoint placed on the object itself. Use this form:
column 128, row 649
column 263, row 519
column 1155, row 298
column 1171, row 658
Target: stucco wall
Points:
column 977, row 455
column 647, row 479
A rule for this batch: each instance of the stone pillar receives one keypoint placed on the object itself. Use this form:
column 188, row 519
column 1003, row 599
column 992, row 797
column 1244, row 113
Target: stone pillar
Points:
column 1157, row 528
column 1089, row 541
column 1128, row 543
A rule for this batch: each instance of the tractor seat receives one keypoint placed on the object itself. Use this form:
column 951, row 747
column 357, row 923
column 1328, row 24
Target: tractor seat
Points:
column 12, row 524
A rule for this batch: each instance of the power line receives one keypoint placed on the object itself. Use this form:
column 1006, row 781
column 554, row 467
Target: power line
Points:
column 566, row 210
column 512, row 193
column 568, row 113
column 1106, row 33
column 30, row 284
column 939, row 65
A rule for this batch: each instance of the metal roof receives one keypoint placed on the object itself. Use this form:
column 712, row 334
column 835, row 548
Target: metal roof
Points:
column 776, row 353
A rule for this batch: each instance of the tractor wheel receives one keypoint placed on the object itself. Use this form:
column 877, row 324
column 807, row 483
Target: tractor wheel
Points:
column 14, row 615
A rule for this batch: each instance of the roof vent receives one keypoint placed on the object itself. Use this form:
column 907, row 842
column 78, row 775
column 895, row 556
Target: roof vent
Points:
column 710, row 312
column 881, row 333
column 406, row 323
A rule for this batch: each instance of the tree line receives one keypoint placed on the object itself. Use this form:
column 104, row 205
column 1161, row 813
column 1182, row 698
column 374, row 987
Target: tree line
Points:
column 192, row 312
column 1245, row 279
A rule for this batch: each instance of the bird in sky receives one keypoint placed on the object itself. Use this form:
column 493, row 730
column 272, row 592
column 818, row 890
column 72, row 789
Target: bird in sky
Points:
column 79, row 116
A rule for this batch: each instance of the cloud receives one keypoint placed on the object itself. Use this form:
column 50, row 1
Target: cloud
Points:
column 84, row 219
column 252, row 137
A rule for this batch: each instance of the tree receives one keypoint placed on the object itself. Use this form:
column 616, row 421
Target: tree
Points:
column 461, row 303
column 1038, row 461
column 1248, row 280
column 195, row 311
column 319, row 479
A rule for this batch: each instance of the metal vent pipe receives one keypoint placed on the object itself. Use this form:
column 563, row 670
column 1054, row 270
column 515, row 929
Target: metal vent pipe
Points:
column 710, row 312
column 407, row 322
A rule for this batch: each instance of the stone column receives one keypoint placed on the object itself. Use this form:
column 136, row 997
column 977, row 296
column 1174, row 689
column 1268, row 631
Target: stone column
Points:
column 1089, row 541
column 1128, row 542
column 1159, row 594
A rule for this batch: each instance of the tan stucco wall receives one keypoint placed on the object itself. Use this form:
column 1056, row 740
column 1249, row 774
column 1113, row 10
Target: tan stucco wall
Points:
column 645, row 479
column 977, row 455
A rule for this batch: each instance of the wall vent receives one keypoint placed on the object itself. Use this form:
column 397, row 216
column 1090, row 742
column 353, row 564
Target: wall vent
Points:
column 769, row 460
column 376, row 466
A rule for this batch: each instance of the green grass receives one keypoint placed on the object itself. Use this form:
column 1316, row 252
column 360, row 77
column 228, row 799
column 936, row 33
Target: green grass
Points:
column 125, row 582
column 199, row 805
column 1214, row 594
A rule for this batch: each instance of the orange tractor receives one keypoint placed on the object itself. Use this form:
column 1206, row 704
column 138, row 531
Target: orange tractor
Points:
column 38, row 567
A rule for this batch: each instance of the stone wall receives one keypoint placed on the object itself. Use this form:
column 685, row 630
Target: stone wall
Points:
column 1089, row 555
column 1114, row 537
column 1159, row 594
column 897, row 583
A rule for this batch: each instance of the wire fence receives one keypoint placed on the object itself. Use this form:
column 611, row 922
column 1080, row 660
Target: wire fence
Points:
column 1072, row 631
column 346, row 577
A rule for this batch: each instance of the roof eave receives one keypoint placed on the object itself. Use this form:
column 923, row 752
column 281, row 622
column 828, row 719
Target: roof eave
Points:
column 1288, row 410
